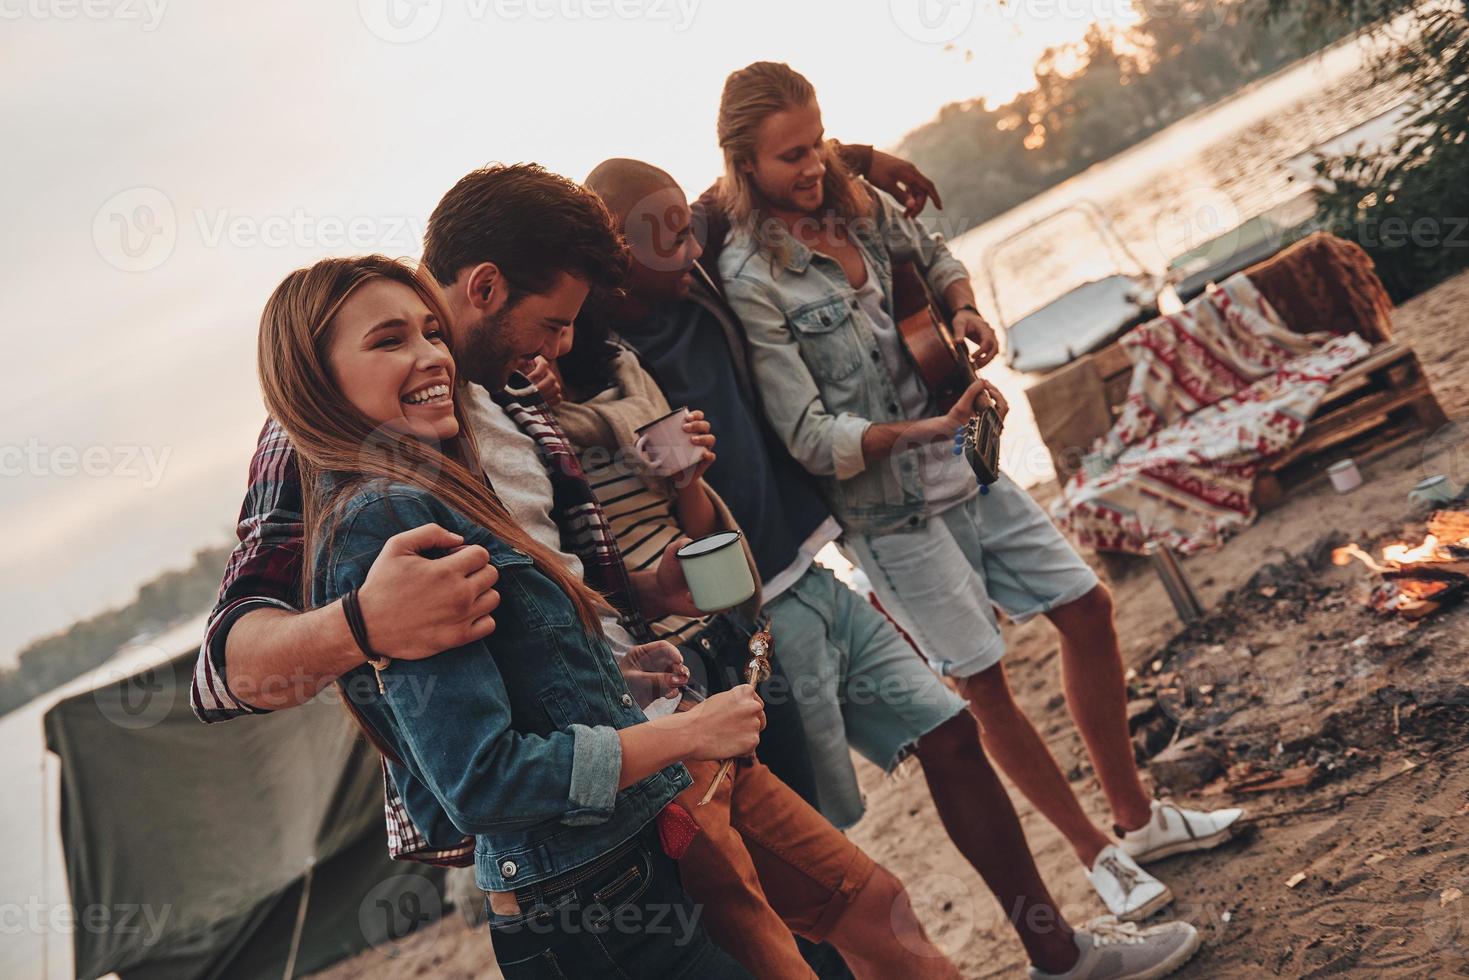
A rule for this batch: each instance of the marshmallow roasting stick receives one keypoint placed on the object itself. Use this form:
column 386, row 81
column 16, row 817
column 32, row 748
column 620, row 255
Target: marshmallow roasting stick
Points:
column 757, row 670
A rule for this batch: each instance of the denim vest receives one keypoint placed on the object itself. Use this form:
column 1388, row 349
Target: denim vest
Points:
column 816, row 361
column 512, row 739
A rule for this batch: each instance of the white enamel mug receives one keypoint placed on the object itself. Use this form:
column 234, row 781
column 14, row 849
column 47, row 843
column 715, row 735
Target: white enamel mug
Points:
column 1432, row 491
column 717, row 572
column 1345, row 476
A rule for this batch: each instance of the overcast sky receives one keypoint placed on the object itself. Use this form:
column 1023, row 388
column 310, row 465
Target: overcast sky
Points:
column 168, row 161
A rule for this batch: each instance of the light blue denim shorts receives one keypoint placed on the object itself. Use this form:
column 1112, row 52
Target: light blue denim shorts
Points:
column 858, row 683
column 941, row 583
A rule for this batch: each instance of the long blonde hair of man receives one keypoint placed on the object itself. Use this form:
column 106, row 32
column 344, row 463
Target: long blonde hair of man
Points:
column 750, row 95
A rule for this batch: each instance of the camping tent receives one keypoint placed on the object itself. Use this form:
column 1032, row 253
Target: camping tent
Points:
column 251, row 849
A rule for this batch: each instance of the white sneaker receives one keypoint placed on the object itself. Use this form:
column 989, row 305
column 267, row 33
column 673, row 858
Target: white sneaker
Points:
column 1129, row 892
column 1174, row 830
column 1112, row 950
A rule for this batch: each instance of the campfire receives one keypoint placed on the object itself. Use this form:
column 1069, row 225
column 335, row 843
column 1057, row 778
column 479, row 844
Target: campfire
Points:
column 1417, row 580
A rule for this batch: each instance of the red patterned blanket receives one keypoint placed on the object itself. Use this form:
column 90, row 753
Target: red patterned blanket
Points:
column 1216, row 389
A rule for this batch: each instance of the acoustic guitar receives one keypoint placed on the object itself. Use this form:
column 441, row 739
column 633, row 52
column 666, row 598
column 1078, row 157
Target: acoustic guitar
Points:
column 944, row 365
column 942, row 359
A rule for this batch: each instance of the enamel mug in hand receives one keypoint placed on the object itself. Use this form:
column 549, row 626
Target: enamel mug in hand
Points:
column 665, row 447
column 718, row 575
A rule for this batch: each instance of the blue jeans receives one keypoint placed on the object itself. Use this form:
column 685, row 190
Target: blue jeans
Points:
column 623, row 915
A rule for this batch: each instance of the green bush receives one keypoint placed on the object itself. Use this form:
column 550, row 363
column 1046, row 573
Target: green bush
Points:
column 1409, row 207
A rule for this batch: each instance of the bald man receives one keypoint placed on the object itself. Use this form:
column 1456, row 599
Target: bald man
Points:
column 857, row 682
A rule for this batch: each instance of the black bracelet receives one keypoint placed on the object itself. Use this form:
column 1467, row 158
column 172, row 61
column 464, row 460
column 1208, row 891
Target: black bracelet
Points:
column 971, row 308
column 353, row 608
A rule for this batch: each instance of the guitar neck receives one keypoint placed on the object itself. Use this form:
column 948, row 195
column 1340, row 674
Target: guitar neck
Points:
column 945, row 317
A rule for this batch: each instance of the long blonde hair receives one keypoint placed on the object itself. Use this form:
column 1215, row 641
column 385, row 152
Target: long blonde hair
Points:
column 330, row 435
column 751, row 95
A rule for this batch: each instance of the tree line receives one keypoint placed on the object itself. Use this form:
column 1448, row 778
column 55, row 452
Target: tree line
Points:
column 1100, row 96
column 164, row 602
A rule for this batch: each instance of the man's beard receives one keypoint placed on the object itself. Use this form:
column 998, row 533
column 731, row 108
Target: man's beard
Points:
column 484, row 357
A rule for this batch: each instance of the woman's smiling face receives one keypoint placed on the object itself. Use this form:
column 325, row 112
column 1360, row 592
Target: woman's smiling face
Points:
column 390, row 357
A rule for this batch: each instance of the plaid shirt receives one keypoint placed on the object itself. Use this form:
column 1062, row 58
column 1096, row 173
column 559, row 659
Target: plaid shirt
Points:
column 265, row 570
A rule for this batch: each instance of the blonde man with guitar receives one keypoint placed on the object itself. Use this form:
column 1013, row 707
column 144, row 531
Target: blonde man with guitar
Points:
column 809, row 270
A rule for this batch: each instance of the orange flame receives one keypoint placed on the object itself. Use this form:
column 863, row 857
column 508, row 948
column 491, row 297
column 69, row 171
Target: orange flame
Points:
column 1401, row 554
column 1345, row 554
column 1394, row 555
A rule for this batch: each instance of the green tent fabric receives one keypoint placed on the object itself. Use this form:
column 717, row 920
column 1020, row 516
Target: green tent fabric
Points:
column 192, row 846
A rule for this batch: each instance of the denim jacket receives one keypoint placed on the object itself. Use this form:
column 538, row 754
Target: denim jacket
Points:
column 817, row 364
column 512, row 739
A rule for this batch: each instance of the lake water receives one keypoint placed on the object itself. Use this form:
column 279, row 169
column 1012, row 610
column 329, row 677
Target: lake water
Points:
column 1178, row 189
column 1187, row 183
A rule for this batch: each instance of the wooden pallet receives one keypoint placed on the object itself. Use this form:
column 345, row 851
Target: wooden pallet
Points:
column 1375, row 406
column 1372, row 408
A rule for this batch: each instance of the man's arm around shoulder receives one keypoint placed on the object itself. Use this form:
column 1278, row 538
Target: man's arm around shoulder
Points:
column 260, row 654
